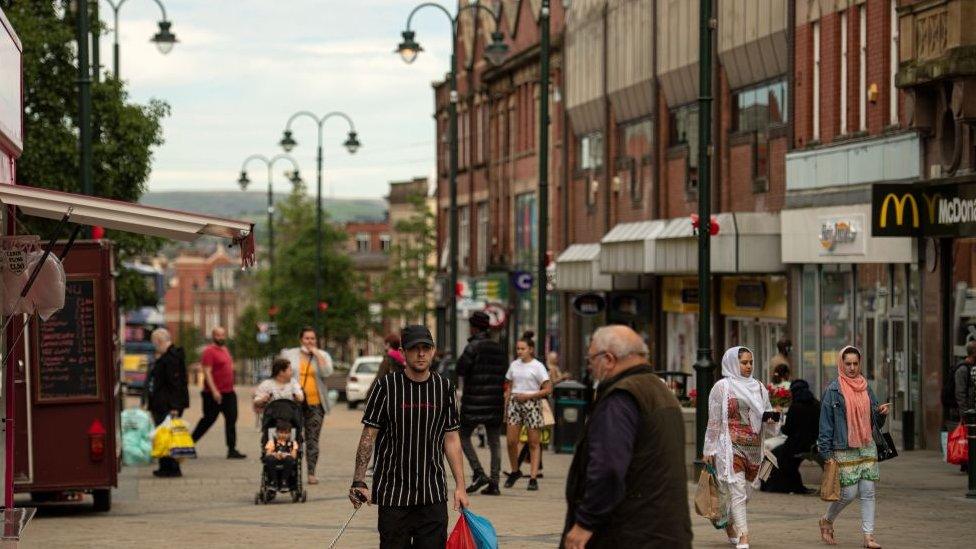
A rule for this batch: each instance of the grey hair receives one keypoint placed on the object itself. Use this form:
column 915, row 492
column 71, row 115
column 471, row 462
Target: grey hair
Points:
column 605, row 340
column 160, row 335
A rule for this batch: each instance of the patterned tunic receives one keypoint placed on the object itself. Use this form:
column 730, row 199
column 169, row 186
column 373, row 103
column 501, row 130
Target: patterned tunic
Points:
column 858, row 463
column 746, row 444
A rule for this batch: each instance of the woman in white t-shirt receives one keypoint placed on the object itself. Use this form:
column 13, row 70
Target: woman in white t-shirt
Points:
column 528, row 383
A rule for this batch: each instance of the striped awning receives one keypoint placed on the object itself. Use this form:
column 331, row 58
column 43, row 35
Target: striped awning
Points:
column 578, row 269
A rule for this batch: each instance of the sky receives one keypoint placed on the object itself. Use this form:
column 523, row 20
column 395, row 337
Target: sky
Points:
column 242, row 67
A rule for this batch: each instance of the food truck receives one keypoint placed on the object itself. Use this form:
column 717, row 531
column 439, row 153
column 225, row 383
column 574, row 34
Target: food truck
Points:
column 61, row 368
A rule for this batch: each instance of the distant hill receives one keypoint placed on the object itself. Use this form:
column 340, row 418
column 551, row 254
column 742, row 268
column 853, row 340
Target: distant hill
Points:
column 253, row 204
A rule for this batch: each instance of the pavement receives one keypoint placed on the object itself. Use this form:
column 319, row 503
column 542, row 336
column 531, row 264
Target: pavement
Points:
column 921, row 503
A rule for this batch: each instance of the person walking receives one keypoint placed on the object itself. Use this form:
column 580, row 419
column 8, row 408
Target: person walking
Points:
column 627, row 485
column 218, row 392
column 528, row 384
column 313, row 367
column 801, row 428
column 849, row 412
column 412, row 419
column 737, row 422
column 958, row 391
column 483, row 366
column 169, row 394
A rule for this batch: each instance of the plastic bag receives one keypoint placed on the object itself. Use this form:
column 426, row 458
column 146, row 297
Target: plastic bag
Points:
column 136, row 442
column 957, row 449
column 181, row 442
column 162, row 439
column 46, row 295
column 481, row 530
column 461, row 537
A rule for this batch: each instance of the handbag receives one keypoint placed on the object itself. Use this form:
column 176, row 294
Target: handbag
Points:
column 885, row 445
column 548, row 419
column 830, row 483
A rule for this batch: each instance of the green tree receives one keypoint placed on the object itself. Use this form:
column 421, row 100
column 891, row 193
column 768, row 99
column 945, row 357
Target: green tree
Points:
column 294, row 281
column 245, row 331
column 408, row 282
column 125, row 133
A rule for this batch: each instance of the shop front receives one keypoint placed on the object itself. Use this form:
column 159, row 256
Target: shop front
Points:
column 853, row 288
column 754, row 312
column 582, row 291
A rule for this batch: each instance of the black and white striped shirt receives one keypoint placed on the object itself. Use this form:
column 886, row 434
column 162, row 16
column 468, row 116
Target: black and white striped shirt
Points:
column 412, row 418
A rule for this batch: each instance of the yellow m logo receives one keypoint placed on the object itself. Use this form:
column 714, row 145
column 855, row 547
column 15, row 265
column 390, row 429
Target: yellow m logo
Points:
column 899, row 209
column 930, row 203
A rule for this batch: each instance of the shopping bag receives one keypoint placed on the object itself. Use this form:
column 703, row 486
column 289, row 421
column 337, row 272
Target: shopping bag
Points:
column 181, row 442
column 481, row 530
column 162, row 440
column 548, row 418
column 830, row 483
column 136, row 442
column 706, row 496
column 957, row 449
column 461, row 537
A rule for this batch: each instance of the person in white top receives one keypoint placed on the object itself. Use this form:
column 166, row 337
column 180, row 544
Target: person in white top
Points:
column 528, row 383
column 279, row 385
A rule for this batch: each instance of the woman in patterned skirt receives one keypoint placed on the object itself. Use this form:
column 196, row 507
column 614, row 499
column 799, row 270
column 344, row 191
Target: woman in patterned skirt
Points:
column 528, row 383
column 849, row 412
column 733, row 439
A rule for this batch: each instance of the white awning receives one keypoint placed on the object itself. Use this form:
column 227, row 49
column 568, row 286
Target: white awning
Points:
column 630, row 247
column 127, row 216
column 578, row 269
column 748, row 242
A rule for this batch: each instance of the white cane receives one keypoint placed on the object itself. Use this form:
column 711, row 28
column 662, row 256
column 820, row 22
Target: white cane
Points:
column 355, row 510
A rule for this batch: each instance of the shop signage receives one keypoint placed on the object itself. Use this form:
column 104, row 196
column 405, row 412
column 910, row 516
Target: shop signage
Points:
column 750, row 295
column 523, row 280
column 491, row 288
column 496, row 314
column 841, row 235
column 919, row 209
column 589, row 304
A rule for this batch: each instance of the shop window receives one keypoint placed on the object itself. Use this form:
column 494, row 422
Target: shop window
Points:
column 836, row 311
column 590, row 151
column 809, row 336
column 526, row 230
column 683, row 128
column 759, row 107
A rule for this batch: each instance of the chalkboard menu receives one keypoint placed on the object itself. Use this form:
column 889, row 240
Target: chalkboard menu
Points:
column 66, row 347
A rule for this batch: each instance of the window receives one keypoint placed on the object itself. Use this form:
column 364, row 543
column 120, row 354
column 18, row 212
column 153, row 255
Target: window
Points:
column 591, row 151
column 526, row 231
column 464, row 236
column 843, row 72
column 862, row 69
column 759, row 107
column 893, row 61
column 816, row 81
column 385, row 242
column 637, row 148
column 683, row 128
column 362, row 242
column 482, row 257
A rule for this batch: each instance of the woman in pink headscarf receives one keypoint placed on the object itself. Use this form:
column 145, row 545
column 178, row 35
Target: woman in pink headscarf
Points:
column 849, row 412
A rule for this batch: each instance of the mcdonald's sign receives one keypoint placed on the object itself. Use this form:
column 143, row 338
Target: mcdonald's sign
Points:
column 920, row 209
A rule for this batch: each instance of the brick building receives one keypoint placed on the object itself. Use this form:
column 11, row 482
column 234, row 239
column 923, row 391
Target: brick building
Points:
column 368, row 245
column 201, row 294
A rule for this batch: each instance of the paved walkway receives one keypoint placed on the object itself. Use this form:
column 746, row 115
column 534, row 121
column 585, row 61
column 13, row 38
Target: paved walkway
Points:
column 921, row 504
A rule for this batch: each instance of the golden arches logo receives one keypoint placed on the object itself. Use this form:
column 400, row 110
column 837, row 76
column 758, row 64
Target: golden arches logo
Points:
column 900, row 203
column 930, row 202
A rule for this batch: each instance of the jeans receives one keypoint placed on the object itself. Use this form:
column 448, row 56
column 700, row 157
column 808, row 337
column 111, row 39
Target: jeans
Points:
column 493, row 434
column 863, row 488
column 415, row 526
column 228, row 407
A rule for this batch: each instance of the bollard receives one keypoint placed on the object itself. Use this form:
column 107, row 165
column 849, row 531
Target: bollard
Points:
column 970, row 419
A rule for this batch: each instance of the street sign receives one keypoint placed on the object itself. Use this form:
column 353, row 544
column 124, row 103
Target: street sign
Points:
column 496, row 314
column 589, row 304
column 263, row 338
column 522, row 280
column 273, row 328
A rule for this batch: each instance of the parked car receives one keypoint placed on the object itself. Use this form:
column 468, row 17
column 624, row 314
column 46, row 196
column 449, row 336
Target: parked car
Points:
column 361, row 376
column 337, row 380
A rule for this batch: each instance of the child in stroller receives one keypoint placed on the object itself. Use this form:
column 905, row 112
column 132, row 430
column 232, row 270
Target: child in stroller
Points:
column 281, row 452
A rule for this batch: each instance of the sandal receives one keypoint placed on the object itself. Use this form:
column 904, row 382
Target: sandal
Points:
column 870, row 543
column 827, row 531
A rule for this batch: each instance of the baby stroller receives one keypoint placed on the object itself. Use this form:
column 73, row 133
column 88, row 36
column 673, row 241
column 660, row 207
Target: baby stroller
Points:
column 291, row 412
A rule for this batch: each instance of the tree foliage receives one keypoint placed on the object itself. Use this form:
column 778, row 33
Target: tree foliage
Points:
column 125, row 134
column 408, row 282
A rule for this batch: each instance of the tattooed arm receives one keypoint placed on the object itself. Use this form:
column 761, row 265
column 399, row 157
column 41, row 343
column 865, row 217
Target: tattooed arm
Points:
column 363, row 454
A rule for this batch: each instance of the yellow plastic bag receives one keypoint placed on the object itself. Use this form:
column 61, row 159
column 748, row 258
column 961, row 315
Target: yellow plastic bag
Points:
column 162, row 441
column 181, row 443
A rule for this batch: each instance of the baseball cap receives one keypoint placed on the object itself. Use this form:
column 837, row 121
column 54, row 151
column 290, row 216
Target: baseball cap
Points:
column 415, row 334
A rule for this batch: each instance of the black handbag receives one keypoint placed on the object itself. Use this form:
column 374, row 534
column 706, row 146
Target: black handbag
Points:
column 885, row 445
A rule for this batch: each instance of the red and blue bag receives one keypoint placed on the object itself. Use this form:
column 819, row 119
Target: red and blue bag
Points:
column 481, row 530
column 461, row 537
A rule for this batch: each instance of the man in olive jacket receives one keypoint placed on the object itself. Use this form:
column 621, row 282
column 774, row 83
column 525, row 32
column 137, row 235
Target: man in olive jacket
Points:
column 482, row 366
column 627, row 486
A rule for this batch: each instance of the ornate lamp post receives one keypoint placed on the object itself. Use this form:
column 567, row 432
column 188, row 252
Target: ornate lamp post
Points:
column 164, row 39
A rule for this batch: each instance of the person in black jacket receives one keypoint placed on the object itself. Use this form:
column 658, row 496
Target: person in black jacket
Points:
column 483, row 366
column 801, row 429
column 169, row 394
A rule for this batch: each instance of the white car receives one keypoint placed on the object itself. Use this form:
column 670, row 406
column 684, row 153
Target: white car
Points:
column 361, row 376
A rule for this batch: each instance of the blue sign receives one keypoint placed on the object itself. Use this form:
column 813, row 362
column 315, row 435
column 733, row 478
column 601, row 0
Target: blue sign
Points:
column 522, row 281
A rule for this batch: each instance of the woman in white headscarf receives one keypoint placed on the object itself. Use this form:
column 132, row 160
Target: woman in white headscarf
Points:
column 733, row 440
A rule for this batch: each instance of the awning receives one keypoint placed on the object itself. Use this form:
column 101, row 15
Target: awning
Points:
column 578, row 269
column 127, row 216
column 748, row 242
column 630, row 247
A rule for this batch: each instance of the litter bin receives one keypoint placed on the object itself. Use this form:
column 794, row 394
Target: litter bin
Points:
column 571, row 403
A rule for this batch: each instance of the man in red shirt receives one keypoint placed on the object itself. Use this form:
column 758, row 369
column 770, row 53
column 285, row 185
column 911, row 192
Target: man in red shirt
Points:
column 218, row 392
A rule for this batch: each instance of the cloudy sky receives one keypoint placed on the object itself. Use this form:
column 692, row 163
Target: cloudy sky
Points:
column 243, row 66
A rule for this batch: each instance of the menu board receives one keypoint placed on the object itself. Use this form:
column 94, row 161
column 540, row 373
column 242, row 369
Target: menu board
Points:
column 68, row 360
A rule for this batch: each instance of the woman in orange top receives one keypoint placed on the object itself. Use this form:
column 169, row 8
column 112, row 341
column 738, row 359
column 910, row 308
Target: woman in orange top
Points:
column 311, row 366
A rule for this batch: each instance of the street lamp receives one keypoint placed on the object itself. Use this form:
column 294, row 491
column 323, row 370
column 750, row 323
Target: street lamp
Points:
column 352, row 145
column 495, row 52
column 164, row 39
column 294, row 176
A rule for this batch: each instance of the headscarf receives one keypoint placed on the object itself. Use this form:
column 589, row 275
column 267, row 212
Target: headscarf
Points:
column 396, row 355
column 744, row 388
column 856, row 402
column 800, row 390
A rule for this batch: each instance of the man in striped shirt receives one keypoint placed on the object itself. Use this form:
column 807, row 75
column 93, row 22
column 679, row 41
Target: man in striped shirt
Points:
column 412, row 417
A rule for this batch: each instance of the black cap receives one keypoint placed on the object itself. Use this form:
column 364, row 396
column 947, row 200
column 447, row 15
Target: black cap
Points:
column 480, row 319
column 415, row 334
